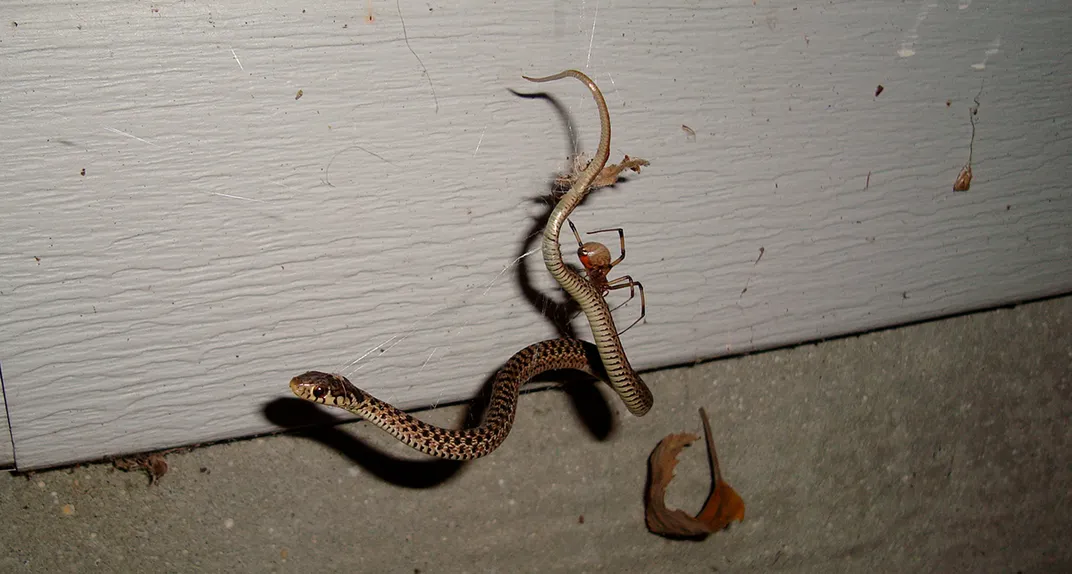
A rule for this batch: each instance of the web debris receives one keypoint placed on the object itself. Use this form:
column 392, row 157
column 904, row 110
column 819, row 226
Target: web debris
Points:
column 963, row 181
column 359, row 363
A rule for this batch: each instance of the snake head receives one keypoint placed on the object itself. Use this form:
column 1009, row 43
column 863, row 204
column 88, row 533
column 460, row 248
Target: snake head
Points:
column 323, row 388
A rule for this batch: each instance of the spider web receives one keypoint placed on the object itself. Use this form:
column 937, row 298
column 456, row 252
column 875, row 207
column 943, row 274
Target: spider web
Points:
column 410, row 337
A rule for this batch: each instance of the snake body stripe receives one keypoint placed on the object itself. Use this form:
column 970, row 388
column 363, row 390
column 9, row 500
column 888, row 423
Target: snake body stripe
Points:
column 336, row 390
column 622, row 378
column 469, row 443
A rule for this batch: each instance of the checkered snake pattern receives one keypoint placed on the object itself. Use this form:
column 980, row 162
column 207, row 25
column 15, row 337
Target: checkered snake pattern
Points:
column 605, row 359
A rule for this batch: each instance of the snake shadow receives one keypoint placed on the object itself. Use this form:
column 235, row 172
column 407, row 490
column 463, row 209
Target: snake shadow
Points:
column 307, row 420
column 419, row 471
column 588, row 403
column 590, row 406
column 558, row 311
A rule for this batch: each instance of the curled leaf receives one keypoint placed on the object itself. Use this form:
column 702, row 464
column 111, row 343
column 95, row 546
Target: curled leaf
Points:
column 153, row 464
column 723, row 505
column 607, row 177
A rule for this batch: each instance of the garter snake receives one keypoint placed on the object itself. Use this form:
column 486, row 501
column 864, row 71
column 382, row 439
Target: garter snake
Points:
column 554, row 354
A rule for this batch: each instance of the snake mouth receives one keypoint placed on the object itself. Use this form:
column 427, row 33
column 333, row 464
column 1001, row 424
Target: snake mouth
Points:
column 323, row 388
column 305, row 385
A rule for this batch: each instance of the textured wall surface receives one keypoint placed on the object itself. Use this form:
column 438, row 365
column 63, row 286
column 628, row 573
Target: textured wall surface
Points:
column 226, row 234
column 7, row 447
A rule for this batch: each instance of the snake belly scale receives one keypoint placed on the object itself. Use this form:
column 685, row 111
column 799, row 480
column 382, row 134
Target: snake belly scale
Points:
column 605, row 360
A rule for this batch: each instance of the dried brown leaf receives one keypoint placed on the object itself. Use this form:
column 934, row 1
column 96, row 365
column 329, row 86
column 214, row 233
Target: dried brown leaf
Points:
column 722, row 507
column 607, row 177
column 155, row 465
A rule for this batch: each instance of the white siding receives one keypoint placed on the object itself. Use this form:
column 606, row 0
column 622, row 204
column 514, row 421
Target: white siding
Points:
column 227, row 236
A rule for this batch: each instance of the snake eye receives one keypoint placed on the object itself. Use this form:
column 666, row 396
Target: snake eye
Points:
column 319, row 392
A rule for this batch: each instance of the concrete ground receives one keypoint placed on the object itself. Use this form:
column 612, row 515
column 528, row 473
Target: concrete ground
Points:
column 938, row 447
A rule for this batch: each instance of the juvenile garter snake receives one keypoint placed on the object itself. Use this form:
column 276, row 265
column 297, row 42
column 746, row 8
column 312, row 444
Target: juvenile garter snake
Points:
column 554, row 354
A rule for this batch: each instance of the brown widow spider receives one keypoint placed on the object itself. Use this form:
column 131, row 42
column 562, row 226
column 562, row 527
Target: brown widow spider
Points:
column 595, row 257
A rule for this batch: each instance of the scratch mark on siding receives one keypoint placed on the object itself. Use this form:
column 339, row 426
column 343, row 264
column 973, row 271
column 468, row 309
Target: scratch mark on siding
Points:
column 237, row 60
column 405, row 36
column 481, row 140
column 113, row 130
column 236, row 196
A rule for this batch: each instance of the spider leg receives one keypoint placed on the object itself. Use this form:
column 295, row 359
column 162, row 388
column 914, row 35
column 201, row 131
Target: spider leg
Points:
column 575, row 234
column 623, row 282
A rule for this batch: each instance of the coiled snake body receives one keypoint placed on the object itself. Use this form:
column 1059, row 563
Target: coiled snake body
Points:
column 612, row 366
